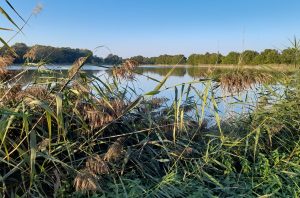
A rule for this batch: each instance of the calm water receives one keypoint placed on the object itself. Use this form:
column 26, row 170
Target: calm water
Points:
column 228, row 105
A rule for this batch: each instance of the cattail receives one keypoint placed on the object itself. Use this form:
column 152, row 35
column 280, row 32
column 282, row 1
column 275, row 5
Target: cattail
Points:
column 86, row 181
column 115, row 151
column 97, row 165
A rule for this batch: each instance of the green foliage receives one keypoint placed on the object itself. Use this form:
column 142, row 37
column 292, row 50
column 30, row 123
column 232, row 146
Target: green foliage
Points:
column 248, row 57
column 198, row 59
column 56, row 55
column 232, row 58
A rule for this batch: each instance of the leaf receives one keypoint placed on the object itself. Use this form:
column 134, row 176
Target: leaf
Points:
column 8, row 47
column 157, row 88
column 8, row 17
column 59, row 113
column 256, row 141
column 6, row 29
column 33, row 147
column 9, row 4
column 152, row 93
column 133, row 104
column 213, row 180
column 48, row 117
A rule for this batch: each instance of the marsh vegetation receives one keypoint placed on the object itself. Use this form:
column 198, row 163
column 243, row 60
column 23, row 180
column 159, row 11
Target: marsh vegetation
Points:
column 81, row 134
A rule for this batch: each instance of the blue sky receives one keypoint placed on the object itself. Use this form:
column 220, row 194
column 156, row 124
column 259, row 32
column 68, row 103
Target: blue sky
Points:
column 154, row 27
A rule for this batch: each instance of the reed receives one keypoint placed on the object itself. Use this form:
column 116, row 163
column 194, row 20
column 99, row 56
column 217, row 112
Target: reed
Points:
column 78, row 136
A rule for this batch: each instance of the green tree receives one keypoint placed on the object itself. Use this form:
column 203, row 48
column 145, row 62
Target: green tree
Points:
column 232, row 58
column 270, row 56
column 248, row 57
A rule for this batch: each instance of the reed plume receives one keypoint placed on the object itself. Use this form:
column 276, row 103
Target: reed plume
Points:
column 86, row 181
column 125, row 71
column 97, row 165
column 236, row 82
column 115, row 151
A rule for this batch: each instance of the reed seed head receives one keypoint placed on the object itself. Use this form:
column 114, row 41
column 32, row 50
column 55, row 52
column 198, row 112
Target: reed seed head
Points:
column 97, row 165
column 115, row 151
column 86, row 181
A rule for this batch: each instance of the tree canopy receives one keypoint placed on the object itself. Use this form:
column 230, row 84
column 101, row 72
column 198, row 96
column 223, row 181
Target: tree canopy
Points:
column 66, row 55
column 58, row 55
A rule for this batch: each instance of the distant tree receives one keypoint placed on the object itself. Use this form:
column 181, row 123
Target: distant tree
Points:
column 170, row 59
column 248, row 57
column 232, row 58
column 140, row 59
column 113, row 60
column 270, row 56
column 207, row 58
column 290, row 56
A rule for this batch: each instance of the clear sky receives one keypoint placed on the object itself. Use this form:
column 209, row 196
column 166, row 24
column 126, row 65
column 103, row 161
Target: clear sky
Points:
column 154, row 27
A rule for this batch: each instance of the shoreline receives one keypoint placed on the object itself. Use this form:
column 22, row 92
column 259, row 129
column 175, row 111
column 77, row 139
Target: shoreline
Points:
column 258, row 67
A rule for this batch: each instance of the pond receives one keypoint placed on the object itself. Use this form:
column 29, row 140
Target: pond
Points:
column 183, row 78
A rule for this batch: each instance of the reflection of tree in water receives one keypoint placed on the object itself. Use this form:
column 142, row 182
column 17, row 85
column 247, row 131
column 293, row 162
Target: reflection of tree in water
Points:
column 162, row 71
column 43, row 76
column 204, row 71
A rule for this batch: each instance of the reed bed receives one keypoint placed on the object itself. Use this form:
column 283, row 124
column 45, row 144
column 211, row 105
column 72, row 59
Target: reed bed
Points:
column 79, row 136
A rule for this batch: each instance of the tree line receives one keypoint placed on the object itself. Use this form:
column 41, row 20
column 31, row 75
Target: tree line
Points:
column 248, row 57
column 57, row 55
column 66, row 55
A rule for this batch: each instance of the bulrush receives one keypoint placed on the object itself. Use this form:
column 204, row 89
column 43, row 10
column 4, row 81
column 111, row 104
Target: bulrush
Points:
column 86, row 181
column 115, row 151
column 97, row 165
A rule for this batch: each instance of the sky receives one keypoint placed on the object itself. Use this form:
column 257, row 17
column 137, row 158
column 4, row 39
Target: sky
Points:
column 154, row 27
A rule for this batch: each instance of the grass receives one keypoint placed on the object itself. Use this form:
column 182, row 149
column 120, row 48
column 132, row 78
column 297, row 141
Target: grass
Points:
column 81, row 134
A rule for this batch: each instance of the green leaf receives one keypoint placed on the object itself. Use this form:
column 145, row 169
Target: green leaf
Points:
column 9, row 4
column 9, row 18
column 152, row 93
column 157, row 88
column 8, row 47
column 33, row 147
column 6, row 29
